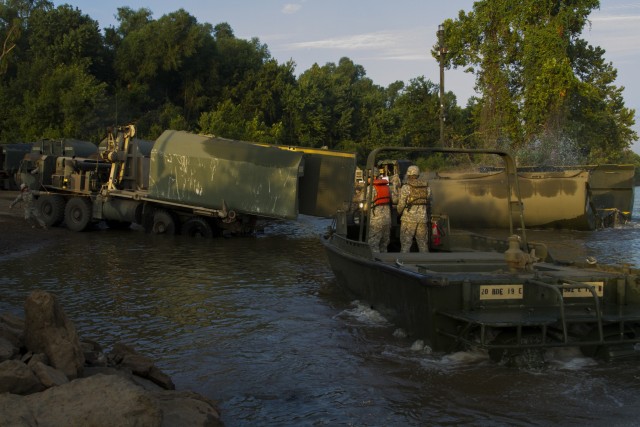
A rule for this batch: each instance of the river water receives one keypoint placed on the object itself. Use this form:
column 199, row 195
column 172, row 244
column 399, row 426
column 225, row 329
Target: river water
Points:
column 259, row 325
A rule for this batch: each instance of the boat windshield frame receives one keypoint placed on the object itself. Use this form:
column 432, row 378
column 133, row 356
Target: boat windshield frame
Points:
column 514, row 201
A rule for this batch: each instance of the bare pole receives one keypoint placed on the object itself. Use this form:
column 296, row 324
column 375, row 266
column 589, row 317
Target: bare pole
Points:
column 442, row 53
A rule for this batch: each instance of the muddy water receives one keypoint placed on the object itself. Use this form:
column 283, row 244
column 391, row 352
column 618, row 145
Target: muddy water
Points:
column 259, row 325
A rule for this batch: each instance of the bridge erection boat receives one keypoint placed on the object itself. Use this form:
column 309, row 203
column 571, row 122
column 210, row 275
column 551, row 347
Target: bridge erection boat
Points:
column 496, row 291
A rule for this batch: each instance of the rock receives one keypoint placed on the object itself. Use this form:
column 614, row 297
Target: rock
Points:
column 108, row 400
column 125, row 356
column 93, row 355
column 17, row 378
column 38, row 357
column 48, row 375
column 12, row 334
column 124, row 388
column 7, row 349
column 13, row 411
column 101, row 400
column 49, row 331
column 12, row 320
column 187, row 409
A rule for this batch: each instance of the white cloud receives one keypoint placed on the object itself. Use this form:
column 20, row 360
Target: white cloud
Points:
column 382, row 45
column 612, row 21
column 291, row 8
column 354, row 42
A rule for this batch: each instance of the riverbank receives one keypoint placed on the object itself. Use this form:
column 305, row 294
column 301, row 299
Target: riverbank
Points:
column 16, row 234
column 50, row 375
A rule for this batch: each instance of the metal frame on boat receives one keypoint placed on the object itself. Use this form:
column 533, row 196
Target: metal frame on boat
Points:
column 500, row 292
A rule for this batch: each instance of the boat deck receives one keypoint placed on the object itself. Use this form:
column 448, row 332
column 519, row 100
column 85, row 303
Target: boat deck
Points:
column 440, row 257
column 446, row 262
column 483, row 262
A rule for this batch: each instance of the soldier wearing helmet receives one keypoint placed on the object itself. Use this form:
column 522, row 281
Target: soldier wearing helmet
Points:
column 415, row 197
column 380, row 213
column 30, row 213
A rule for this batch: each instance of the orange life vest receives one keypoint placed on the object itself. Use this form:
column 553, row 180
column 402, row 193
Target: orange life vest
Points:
column 383, row 194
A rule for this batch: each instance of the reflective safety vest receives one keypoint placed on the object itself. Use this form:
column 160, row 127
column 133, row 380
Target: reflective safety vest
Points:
column 383, row 194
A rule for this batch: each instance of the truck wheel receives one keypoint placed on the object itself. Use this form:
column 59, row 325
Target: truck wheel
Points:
column 197, row 227
column 77, row 214
column 163, row 223
column 51, row 209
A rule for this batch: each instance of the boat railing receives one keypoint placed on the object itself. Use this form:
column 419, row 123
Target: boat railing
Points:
column 559, row 289
column 489, row 320
column 512, row 189
column 361, row 249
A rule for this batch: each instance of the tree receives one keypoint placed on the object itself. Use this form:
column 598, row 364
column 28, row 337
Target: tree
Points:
column 534, row 72
column 63, row 105
column 53, row 87
column 13, row 17
column 260, row 109
column 601, row 122
column 419, row 108
column 333, row 105
column 168, row 60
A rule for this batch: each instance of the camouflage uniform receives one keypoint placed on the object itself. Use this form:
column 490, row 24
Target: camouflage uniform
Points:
column 395, row 185
column 379, row 225
column 415, row 195
column 30, row 212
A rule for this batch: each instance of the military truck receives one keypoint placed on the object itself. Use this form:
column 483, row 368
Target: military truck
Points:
column 190, row 184
column 25, row 161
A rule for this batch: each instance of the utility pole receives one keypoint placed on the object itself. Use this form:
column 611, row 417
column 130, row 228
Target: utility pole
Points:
column 442, row 53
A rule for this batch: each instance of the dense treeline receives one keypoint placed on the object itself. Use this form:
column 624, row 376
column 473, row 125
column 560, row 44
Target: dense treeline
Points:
column 543, row 89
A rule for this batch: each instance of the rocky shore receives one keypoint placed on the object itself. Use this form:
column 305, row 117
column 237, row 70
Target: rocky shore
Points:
column 51, row 376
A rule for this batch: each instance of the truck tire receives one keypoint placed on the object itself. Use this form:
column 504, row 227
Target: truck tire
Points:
column 77, row 214
column 51, row 209
column 163, row 223
column 197, row 227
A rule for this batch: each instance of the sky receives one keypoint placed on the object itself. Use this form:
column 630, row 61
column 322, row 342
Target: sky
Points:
column 390, row 39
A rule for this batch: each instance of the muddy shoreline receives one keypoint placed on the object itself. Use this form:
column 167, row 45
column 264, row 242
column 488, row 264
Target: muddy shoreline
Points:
column 16, row 233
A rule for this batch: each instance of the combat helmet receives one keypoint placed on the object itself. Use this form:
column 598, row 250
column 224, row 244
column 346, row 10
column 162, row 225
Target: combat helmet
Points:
column 413, row 171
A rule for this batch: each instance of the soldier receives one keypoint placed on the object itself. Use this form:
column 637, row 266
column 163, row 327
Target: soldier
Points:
column 395, row 185
column 30, row 213
column 380, row 221
column 415, row 196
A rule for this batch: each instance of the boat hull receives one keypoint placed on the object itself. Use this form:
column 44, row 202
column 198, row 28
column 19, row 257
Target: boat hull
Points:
column 456, row 301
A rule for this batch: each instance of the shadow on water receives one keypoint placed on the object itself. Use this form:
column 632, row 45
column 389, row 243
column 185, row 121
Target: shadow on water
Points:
column 260, row 325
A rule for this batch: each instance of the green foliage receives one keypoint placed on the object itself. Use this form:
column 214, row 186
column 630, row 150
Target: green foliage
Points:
column 540, row 83
column 419, row 107
column 168, row 60
column 52, row 90
column 435, row 162
column 225, row 121
column 546, row 94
